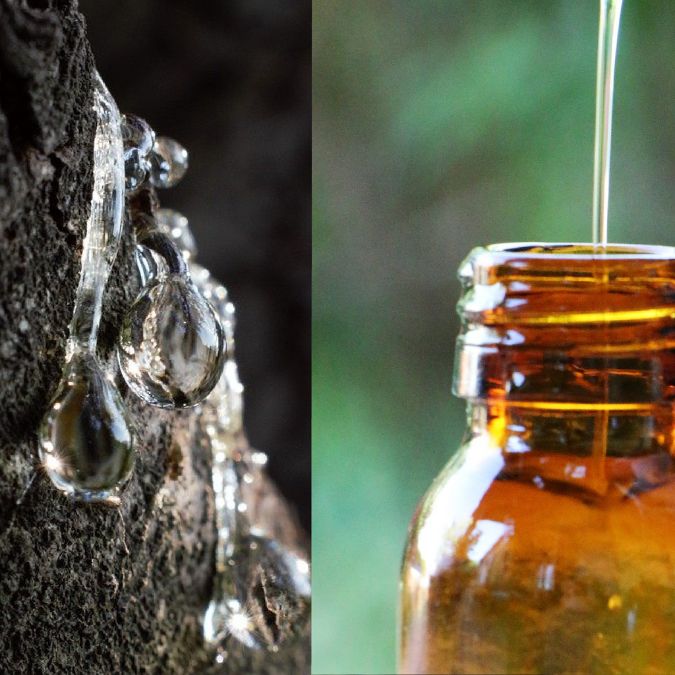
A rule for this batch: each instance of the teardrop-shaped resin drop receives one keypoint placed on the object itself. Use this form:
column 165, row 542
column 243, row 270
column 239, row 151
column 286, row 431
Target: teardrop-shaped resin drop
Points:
column 85, row 443
column 172, row 346
column 168, row 162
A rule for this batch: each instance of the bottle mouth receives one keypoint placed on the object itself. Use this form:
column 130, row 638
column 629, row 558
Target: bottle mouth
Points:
column 546, row 312
column 566, row 283
column 530, row 261
column 537, row 251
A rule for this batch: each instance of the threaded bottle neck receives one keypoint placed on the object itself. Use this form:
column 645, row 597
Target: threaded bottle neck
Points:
column 563, row 325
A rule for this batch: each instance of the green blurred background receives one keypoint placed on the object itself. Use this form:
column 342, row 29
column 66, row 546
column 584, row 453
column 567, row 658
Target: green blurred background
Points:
column 440, row 125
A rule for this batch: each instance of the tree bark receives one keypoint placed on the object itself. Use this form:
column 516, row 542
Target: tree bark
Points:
column 87, row 589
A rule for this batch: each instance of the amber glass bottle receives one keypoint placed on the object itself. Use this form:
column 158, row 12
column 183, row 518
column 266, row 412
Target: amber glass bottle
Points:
column 547, row 544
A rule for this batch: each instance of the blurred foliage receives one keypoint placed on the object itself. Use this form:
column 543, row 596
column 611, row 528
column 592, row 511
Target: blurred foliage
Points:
column 440, row 125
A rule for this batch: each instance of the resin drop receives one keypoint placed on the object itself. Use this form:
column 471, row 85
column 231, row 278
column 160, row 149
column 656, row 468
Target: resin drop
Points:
column 261, row 585
column 172, row 345
column 175, row 226
column 137, row 133
column 85, row 444
column 150, row 265
column 169, row 162
column 136, row 169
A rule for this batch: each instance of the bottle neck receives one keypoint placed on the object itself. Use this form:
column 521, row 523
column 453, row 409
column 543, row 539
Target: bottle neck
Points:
column 592, row 451
column 567, row 365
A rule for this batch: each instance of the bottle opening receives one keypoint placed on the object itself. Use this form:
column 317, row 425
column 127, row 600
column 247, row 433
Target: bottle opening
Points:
column 580, row 249
column 567, row 324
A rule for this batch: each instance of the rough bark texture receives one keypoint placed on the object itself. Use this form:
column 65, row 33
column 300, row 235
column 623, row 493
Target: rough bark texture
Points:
column 88, row 589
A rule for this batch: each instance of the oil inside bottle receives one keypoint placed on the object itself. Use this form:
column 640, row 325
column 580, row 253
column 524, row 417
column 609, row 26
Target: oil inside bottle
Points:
column 548, row 542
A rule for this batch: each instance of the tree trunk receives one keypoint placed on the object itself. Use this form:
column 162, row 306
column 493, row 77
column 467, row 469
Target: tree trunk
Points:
column 87, row 589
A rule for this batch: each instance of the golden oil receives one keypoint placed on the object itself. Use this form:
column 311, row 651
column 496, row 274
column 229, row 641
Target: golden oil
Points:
column 547, row 544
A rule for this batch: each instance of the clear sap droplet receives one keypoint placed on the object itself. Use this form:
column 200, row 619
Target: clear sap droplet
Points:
column 217, row 295
column 168, row 162
column 136, row 168
column 137, row 133
column 172, row 347
column 85, row 443
column 150, row 265
column 175, row 226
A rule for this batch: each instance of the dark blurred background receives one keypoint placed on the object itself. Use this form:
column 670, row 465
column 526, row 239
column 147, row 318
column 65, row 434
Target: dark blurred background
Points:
column 231, row 81
column 439, row 125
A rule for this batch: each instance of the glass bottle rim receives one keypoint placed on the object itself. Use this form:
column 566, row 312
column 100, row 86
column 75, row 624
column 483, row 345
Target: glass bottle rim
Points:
column 533, row 306
column 580, row 250
column 583, row 261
